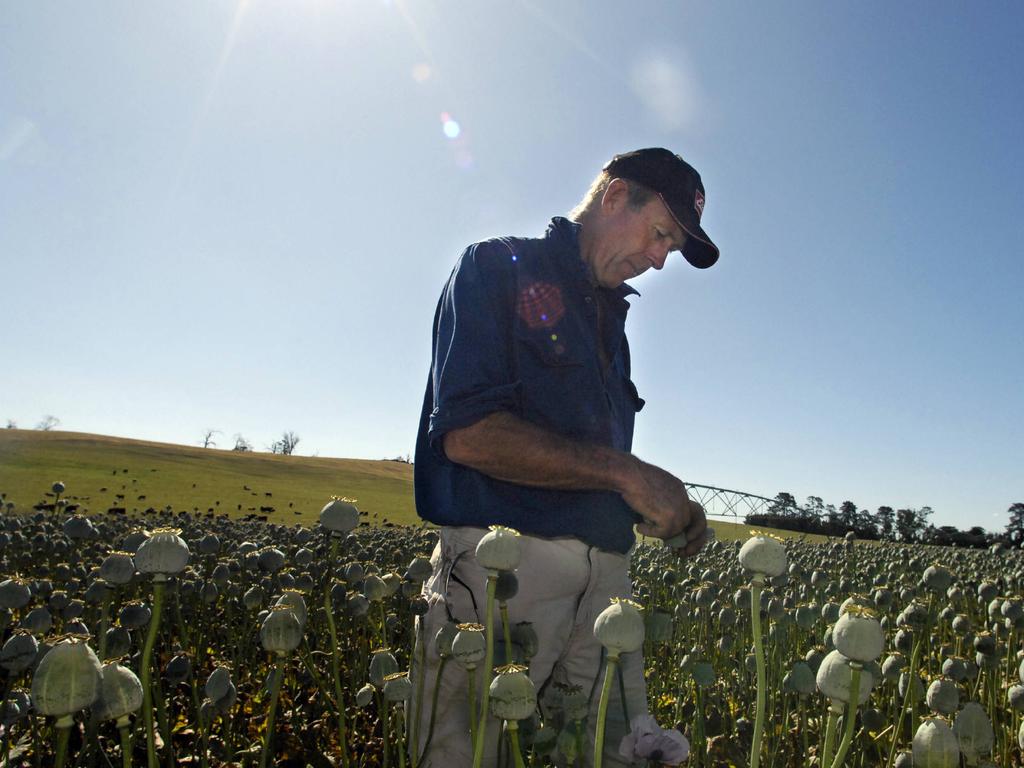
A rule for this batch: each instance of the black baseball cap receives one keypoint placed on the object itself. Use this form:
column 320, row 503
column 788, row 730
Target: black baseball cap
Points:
column 679, row 186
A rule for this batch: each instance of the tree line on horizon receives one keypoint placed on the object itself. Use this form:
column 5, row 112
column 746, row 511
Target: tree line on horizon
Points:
column 907, row 525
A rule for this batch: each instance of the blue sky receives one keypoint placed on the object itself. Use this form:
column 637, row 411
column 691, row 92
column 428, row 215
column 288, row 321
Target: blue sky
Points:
column 239, row 215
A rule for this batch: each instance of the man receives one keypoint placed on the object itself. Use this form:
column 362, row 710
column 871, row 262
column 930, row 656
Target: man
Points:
column 527, row 422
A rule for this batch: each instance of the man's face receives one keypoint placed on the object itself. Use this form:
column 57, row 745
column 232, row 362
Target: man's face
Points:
column 632, row 241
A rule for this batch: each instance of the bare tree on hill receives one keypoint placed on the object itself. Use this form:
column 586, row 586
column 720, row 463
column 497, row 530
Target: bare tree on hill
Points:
column 286, row 445
column 48, row 423
column 208, row 438
column 12, row 424
column 241, row 444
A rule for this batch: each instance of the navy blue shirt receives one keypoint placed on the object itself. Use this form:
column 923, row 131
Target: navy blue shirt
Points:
column 517, row 330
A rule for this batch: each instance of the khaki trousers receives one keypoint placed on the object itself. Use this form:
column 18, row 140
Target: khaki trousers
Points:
column 563, row 585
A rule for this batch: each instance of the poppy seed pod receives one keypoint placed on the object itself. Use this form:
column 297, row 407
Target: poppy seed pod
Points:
column 937, row 578
column 135, row 615
column 382, row 664
column 498, row 550
column 120, row 694
column 38, row 621
column 469, row 646
column 339, row 516
column 296, row 602
column 19, row 652
column 658, row 626
column 253, row 597
column 66, row 680
column 419, row 569
column 763, row 555
column 281, row 631
column 703, row 674
column 835, row 677
column 374, row 588
column 620, row 627
column 18, row 705
column 525, row 637
column 506, row 587
column 858, row 635
column 79, row 527
column 218, row 684
column 800, row 679
column 14, row 594
column 513, row 694
column 954, row 668
column 443, row 639
column 164, row 553
column 575, row 703
column 270, row 559
column 392, row 582
column 973, row 730
column 1015, row 697
column 935, row 745
column 943, row 697
column 364, row 696
column 397, row 687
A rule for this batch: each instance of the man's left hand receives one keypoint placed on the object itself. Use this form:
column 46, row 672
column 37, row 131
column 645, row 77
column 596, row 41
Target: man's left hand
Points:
column 695, row 534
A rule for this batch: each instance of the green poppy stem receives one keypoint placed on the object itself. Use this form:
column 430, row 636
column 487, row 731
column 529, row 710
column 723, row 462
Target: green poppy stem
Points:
column 145, row 675
column 506, row 631
column 602, row 707
column 755, row 617
column 513, row 737
column 834, row 710
column 126, row 747
column 63, row 731
column 417, row 711
column 433, row 711
column 275, row 690
column 481, row 731
column 339, row 696
column 472, row 704
column 851, row 714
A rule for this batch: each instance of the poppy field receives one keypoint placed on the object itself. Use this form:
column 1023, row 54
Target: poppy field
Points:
column 178, row 638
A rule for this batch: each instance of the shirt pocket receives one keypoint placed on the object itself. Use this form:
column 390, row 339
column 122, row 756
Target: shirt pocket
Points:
column 548, row 348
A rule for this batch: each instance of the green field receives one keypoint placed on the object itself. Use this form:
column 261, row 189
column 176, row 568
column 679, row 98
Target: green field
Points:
column 97, row 470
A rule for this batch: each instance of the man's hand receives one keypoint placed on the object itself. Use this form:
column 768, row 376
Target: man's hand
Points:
column 684, row 546
column 661, row 499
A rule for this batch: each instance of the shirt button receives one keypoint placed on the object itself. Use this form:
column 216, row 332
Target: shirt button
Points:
column 588, row 299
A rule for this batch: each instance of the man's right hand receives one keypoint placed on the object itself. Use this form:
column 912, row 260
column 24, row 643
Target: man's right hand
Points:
column 661, row 499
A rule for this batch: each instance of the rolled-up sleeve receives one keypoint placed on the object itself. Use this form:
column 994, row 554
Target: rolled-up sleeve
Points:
column 472, row 373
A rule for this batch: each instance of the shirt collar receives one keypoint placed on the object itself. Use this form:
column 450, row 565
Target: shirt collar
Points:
column 565, row 233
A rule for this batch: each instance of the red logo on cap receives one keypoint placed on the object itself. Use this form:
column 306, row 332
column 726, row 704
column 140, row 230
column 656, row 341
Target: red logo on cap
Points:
column 698, row 204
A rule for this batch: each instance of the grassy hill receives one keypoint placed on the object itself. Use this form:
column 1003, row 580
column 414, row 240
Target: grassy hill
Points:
column 102, row 472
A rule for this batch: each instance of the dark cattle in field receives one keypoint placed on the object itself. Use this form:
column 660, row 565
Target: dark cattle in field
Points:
column 261, row 518
column 266, row 509
column 268, row 494
column 117, row 510
column 142, row 498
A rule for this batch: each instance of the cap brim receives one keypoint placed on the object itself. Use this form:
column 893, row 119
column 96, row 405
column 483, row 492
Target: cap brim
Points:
column 699, row 250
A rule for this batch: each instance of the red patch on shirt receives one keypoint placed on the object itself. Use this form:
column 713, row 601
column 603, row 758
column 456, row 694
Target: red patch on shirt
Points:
column 540, row 305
